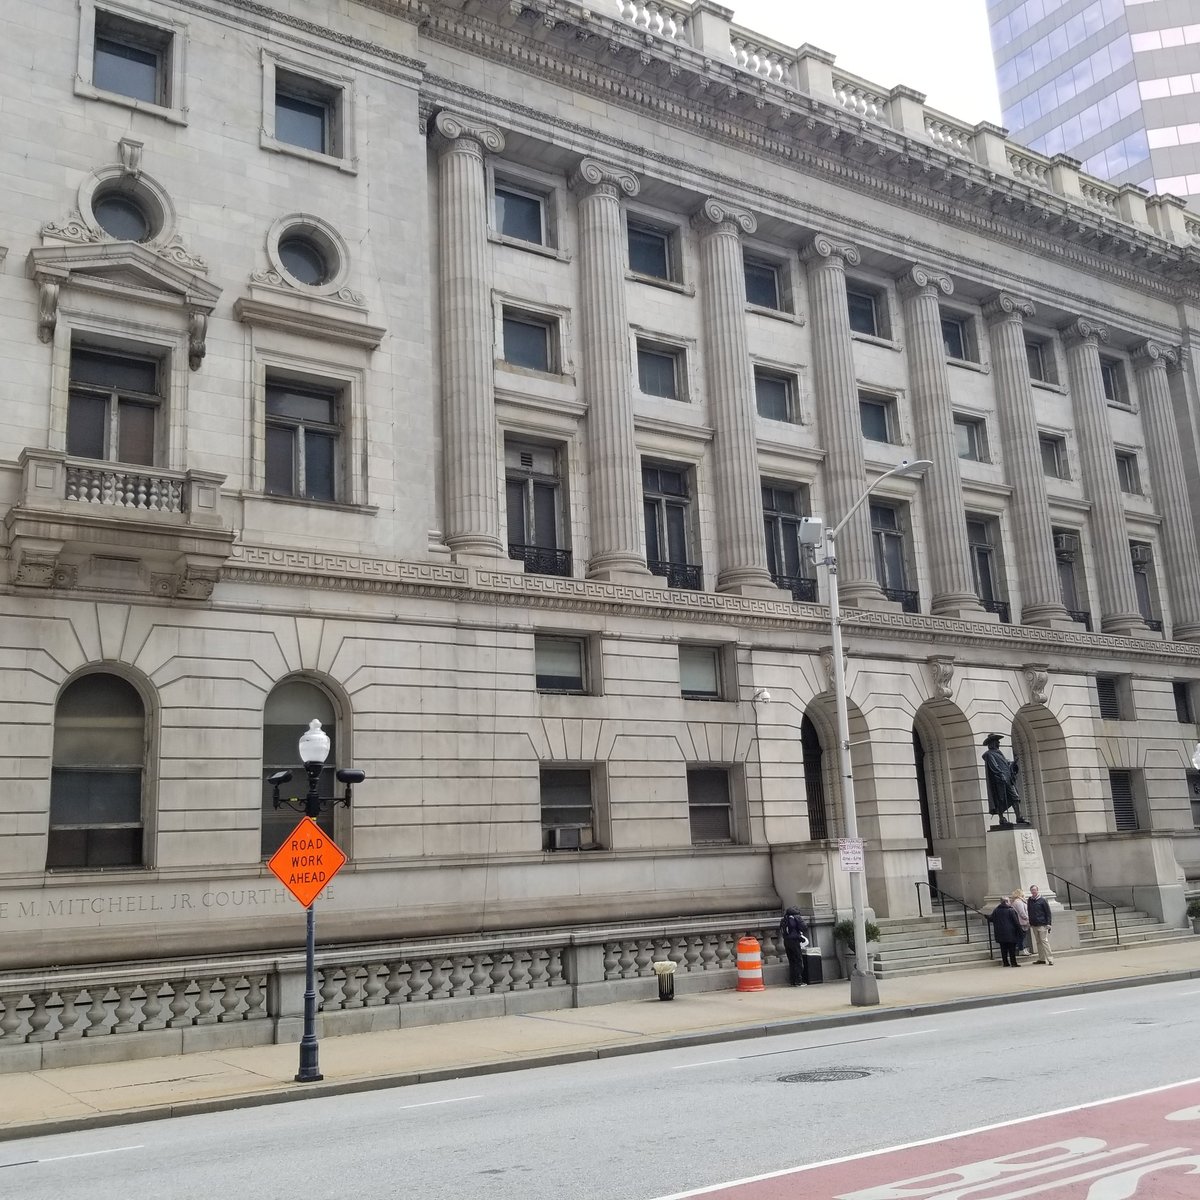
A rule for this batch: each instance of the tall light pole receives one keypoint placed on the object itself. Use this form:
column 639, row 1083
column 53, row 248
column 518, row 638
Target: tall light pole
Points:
column 864, row 987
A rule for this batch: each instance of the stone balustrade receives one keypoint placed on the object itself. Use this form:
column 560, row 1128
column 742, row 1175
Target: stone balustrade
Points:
column 656, row 17
column 1029, row 167
column 1103, row 197
column 54, row 1018
column 861, row 98
column 151, row 491
column 769, row 60
column 1192, row 226
column 949, row 135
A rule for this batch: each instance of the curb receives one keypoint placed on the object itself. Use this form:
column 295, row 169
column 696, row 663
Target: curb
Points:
column 287, row 1093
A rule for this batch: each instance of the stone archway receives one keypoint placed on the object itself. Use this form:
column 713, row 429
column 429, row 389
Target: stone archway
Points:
column 1040, row 749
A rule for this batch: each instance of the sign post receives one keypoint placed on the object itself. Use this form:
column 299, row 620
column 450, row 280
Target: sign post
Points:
column 850, row 851
column 308, row 859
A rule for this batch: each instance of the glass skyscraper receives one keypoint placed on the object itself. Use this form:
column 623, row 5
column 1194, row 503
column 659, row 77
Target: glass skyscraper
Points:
column 1113, row 83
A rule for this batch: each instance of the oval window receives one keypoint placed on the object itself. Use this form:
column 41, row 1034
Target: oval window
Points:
column 303, row 261
column 121, row 217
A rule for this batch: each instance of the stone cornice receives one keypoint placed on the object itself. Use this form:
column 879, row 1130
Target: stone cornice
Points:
column 264, row 566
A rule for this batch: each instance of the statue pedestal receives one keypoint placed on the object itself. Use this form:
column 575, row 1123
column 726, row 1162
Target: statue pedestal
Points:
column 1014, row 860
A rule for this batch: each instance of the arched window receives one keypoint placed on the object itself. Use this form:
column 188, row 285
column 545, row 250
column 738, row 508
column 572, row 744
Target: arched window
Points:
column 98, row 778
column 289, row 708
column 814, row 780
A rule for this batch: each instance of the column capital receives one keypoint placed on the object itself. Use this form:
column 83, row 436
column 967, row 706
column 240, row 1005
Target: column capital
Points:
column 825, row 249
column 1005, row 306
column 1084, row 331
column 716, row 216
column 1183, row 358
column 923, row 281
column 593, row 177
column 456, row 131
column 1151, row 355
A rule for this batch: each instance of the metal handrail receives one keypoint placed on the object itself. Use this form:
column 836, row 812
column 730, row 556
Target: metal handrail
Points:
column 1092, row 898
column 941, row 895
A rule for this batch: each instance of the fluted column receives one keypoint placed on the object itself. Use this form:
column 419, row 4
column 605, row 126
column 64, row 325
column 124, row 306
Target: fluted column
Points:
column 836, row 391
column 946, row 518
column 614, row 468
column 1041, row 594
column 469, row 435
column 1150, row 363
column 1118, row 594
column 741, row 550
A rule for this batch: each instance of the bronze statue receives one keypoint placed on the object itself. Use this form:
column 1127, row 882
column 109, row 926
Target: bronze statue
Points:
column 1001, row 783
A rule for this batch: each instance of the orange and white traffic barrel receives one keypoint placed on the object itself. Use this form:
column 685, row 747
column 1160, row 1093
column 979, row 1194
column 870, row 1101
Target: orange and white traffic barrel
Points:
column 749, row 965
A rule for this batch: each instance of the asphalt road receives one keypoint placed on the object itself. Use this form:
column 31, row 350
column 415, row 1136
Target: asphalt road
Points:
column 645, row 1126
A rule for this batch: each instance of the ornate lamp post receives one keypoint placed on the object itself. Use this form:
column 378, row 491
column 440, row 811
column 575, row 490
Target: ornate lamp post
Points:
column 314, row 750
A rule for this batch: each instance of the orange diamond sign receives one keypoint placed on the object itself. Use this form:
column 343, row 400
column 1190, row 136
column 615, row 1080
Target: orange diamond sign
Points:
column 308, row 859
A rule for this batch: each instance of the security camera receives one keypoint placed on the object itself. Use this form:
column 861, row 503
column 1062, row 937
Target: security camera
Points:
column 762, row 696
column 811, row 531
column 350, row 775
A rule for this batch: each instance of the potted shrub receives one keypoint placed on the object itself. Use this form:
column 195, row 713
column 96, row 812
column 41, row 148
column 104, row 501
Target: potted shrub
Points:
column 1193, row 911
column 843, row 940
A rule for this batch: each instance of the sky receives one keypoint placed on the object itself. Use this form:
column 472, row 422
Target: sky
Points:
column 939, row 47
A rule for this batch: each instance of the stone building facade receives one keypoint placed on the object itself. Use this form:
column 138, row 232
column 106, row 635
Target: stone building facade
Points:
column 436, row 370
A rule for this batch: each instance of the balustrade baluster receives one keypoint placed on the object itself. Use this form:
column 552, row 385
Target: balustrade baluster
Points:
column 460, row 983
column 231, row 999
column 555, row 968
column 709, row 955
column 439, row 981
column 39, row 1017
column 376, row 972
column 520, row 971
column 97, row 1013
column 181, row 1004
column 125, row 1009
column 328, row 987
column 12, row 1019
column 628, row 954
column 95, row 487
column 481, row 978
column 205, row 1002
column 419, row 980
column 68, row 1018
column 153, row 1016
column 538, row 973
column 399, row 983
column 611, row 961
column 255, row 1006
column 501, row 972
column 351, row 988
column 645, row 956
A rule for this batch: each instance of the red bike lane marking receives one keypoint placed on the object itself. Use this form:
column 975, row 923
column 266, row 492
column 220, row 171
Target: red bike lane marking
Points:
column 1145, row 1146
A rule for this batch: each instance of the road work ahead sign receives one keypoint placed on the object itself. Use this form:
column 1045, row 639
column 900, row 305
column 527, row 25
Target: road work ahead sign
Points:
column 308, row 859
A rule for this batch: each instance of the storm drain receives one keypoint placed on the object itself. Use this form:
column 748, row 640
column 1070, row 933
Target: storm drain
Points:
column 826, row 1075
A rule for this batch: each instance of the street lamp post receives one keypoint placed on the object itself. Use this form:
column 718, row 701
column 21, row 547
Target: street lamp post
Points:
column 864, row 987
column 314, row 750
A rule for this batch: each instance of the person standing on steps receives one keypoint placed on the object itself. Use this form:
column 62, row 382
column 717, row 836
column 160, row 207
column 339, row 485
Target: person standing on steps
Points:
column 1008, row 931
column 794, row 932
column 1040, row 920
column 1018, row 902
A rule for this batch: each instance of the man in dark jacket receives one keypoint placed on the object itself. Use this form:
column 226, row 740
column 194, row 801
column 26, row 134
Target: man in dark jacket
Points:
column 1008, row 932
column 794, row 932
column 1040, row 920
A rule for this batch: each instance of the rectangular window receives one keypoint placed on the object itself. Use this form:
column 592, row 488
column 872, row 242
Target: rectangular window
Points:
column 956, row 338
column 131, row 59
column 560, row 664
column 877, row 415
column 1112, row 373
column 700, row 672
column 114, row 406
column 651, row 251
column 1193, row 781
column 891, row 566
column 1066, row 552
column 520, row 214
column 789, row 564
column 660, row 371
column 303, row 441
column 864, row 312
column 667, row 510
column 534, row 508
column 762, row 284
column 567, row 811
column 1124, row 808
column 1108, row 697
column 1035, row 357
column 529, row 341
column 307, row 113
column 1141, row 555
column 775, row 395
column 710, row 807
column 970, row 436
column 981, row 539
column 1054, row 456
column 1181, row 690
column 1128, row 474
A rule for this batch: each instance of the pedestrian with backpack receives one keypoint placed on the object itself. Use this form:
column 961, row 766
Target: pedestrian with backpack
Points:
column 794, row 932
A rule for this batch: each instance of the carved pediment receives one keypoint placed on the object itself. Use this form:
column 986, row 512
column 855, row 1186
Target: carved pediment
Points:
column 125, row 270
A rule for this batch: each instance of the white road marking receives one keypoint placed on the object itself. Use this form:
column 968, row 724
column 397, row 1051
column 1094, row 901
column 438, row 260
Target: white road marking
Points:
column 950, row 1137
column 431, row 1103
column 712, row 1062
column 1057, row 1012
column 914, row 1033
column 84, row 1154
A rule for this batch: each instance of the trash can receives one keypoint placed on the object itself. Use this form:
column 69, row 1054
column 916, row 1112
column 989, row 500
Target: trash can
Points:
column 666, row 979
column 812, row 960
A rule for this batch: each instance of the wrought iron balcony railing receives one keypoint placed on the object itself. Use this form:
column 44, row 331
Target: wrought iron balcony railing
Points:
column 1154, row 624
column 1081, row 616
column 804, row 591
column 541, row 560
column 678, row 575
column 1000, row 608
column 910, row 602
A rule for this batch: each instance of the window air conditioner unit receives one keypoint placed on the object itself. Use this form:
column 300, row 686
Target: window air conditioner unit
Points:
column 1066, row 543
column 565, row 837
column 1141, row 555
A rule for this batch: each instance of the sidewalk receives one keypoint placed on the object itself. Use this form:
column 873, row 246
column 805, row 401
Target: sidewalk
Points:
column 109, row 1094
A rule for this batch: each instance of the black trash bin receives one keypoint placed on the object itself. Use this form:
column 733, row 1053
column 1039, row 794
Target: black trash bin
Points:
column 812, row 960
column 666, row 979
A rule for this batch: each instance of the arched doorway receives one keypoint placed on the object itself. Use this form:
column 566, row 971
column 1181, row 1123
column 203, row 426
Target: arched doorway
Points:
column 1040, row 750
column 920, row 759
column 820, row 826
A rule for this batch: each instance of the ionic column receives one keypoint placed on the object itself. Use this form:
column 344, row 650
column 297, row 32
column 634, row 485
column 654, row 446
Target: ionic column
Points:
column 933, row 415
column 468, row 409
column 1033, row 533
column 836, row 391
column 1118, row 595
column 741, row 550
column 614, row 467
column 1150, row 363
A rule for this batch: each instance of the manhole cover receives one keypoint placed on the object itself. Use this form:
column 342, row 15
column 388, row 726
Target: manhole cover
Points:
column 826, row 1075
